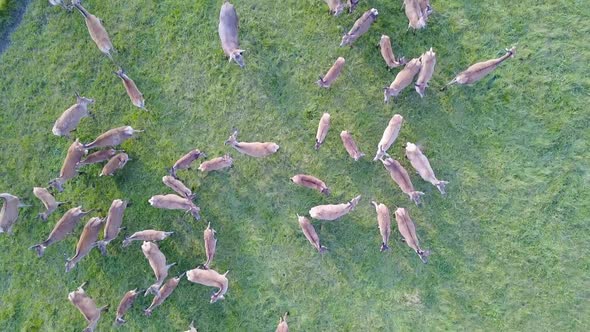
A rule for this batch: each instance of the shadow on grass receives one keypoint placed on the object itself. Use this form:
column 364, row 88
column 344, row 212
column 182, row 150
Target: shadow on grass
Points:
column 10, row 17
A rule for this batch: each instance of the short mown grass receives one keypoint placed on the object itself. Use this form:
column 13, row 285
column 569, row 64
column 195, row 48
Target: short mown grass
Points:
column 509, row 241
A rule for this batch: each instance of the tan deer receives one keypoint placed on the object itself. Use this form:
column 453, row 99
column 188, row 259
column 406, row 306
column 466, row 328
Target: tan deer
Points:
column 311, row 182
column 336, row 7
column 97, row 31
column 361, row 26
column 98, row 157
column 350, row 146
column 146, row 235
column 50, row 203
column 179, row 187
column 86, row 242
column 387, row 53
column 479, row 70
column 211, row 278
column 158, row 264
column 186, row 161
column 322, row 132
column 113, row 224
column 210, row 245
column 333, row 211
column 403, row 79
column 332, row 74
column 400, row 176
column 216, row 164
column 414, row 14
column 283, row 326
column 407, row 229
column 425, row 8
column 114, row 164
column 384, row 223
column 191, row 328
column 253, row 149
column 389, row 136
column 428, row 63
column 112, row 137
column 9, row 212
column 69, row 120
column 310, row 234
column 422, row 166
column 164, row 292
column 132, row 91
column 87, row 307
column 125, row 305
column 64, row 227
column 69, row 168
column 228, row 33
column 175, row 202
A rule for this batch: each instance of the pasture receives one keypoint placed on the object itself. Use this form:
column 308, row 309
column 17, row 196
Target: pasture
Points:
column 509, row 241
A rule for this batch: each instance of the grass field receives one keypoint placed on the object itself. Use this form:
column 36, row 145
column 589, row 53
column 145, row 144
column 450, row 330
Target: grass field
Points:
column 509, row 241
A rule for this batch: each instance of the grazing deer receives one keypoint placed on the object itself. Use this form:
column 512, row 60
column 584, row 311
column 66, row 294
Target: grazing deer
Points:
column 97, row 31
column 389, row 136
column 322, row 132
column 125, row 305
column 384, row 222
column 216, row 164
column 9, row 212
column 132, row 91
column 350, row 146
column 403, row 79
column 400, row 176
column 158, row 264
column 310, row 234
column 407, row 229
column 69, row 168
column 146, row 235
column 116, row 163
column 361, row 26
column 87, row 307
column 112, row 137
column 333, row 211
column 164, row 292
column 283, row 327
column 228, row 33
column 212, row 278
column 210, row 245
column 253, row 149
column 69, row 120
column 64, row 227
column 428, row 63
column 479, row 70
column 98, row 157
column 414, row 14
column 175, row 202
column 186, row 161
column 179, row 187
column 50, row 203
column 332, row 74
column 387, row 53
column 113, row 224
column 422, row 166
column 311, row 182
column 86, row 242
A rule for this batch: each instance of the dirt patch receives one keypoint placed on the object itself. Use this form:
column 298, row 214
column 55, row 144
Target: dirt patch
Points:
column 14, row 15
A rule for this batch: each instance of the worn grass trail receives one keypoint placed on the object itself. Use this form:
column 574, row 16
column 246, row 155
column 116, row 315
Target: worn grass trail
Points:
column 509, row 241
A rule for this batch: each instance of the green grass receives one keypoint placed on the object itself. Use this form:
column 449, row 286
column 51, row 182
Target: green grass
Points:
column 509, row 241
column 5, row 13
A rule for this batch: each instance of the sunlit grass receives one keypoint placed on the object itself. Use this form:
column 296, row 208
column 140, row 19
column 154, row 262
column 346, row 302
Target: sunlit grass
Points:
column 509, row 242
